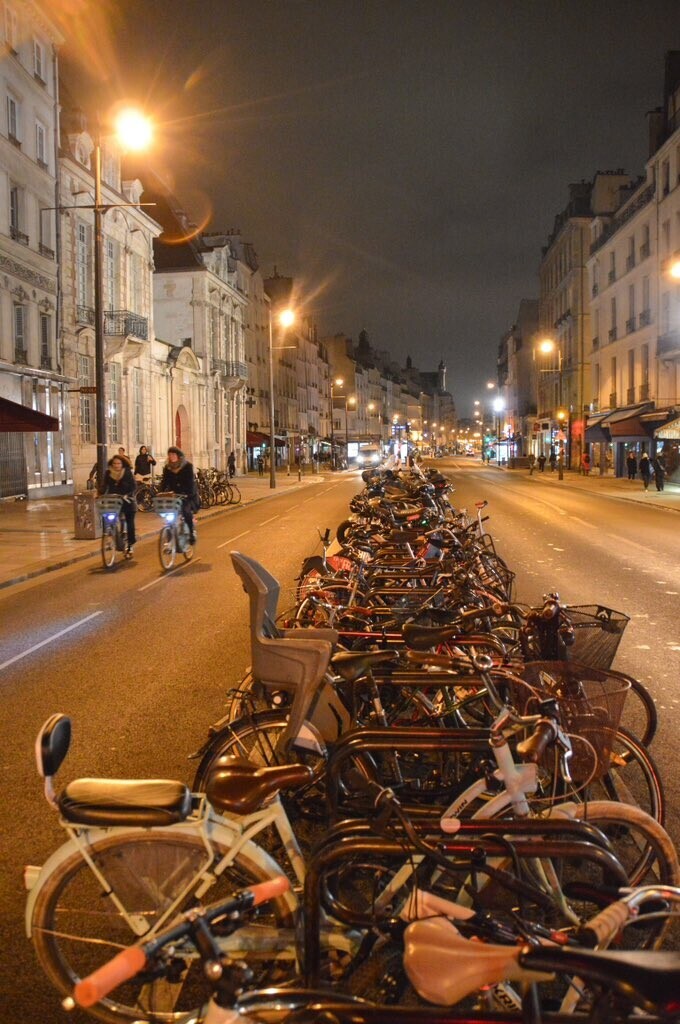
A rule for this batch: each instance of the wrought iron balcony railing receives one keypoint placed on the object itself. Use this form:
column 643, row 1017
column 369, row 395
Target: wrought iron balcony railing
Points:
column 612, row 334
column 645, row 317
column 121, row 322
column 668, row 344
column 644, row 392
column 612, row 400
column 18, row 236
column 630, row 325
column 235, row 368
column 46, row 251
column 20, row 356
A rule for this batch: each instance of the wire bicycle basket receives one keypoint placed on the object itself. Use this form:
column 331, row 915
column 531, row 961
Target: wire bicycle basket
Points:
column 109, row 503
column 591, row 701
column 597, row 634
column 165, row 504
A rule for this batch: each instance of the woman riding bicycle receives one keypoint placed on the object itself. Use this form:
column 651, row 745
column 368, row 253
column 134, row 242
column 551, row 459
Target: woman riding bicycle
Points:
column 118, row 479
column 180, row 478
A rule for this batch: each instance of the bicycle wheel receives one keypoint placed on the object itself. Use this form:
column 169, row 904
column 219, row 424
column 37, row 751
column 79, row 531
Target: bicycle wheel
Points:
column 254, row 737
column 76, row 927
column 144, row 498
column 108, row 546
column 639, row 713
column 185, row 545
column 633, row 778
column 235, row 496
column 167, row 547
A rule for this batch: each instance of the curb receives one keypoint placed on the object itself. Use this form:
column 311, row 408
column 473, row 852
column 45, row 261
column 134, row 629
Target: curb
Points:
column 615, row 497
column 208, row 513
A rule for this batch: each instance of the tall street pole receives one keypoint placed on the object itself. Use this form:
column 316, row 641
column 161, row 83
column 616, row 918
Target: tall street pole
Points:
column 100, row 398
column 332, row 430
column 272, row 440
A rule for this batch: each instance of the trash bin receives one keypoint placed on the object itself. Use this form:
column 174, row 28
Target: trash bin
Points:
column 87, row 524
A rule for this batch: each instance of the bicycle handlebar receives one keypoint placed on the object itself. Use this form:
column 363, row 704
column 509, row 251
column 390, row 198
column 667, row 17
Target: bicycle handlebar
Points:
column 129, row 962
column 534, row 746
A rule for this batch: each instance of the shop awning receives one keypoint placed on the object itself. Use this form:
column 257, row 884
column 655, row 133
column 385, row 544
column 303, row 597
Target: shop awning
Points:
column 595, row 432
column 20, row 419
column 254, row 439
column 631, row 426
column 669, row 431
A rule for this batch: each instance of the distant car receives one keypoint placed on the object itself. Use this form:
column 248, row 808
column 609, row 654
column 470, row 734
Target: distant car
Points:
column 368, row 457
column 470, row 454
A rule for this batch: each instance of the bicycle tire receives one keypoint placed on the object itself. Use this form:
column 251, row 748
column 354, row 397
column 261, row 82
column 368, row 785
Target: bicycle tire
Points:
column 144, row 498
column 167, row 547
column 185, row 546
column 640, row 717
column 633, row 778
column 108, row 546
column 235, row 496
column 144, row 866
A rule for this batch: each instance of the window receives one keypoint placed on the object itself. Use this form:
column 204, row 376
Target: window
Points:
column 39, row 66
column 612, row 267
column 13, row 119
column 11, row 28
column 82, row 265
column 630, row 257
column 110, row 274
column 613, row 380
column 665, row 238
column 644, row 246
column 138, row 404
column 19, row 333
column 216, row 424
column 644, row 364
column 45, row 341
column 631, row 368
column 86, row 379
column 665, row 312
column 665, row 177
column 612, row 320
column 41, row 144
column 645, row 293
column 14, row 207
column 114, row 402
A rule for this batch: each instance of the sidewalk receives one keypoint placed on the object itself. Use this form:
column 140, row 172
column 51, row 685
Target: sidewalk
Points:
column 37, row 536
column 607, row 486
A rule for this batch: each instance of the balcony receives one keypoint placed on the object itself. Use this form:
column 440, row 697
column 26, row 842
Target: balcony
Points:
column 595, row 290
column 46, row 251
column 644, row 392
column 630, row 324
column 85, row 315
column 45, row 362
column 612, row 334
column 612, row 400
column 42, row 164
column 630, row 396
column 668, row 345
column 14, row 140
column 236, row 369
column 611, row 276
column 121, row 323
column 645, row 317
column 596, row 343
column 644, row 251
column 630, row 261
column 20, row 356
column 17, row 235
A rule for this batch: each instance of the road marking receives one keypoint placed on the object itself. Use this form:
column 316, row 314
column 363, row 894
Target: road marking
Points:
column 232, row 539
column 309, row 499
column 43, row 643
column 268, row 521
column 292, row 507
column 169, row 572
column 633, row 543
column 584, row 522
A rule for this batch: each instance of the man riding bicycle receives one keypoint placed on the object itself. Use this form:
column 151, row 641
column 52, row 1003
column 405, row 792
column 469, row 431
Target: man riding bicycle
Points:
column 180, row 478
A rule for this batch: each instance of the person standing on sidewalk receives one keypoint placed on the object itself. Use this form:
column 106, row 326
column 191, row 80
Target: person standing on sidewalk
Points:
column 532, row 462
column 144, row 463
column 260, row 466
column 541, row 463
column 231, row 465
column 631, row 465
column 645, row 468
column 552, row 459
column 659, row 467
column 585, row 463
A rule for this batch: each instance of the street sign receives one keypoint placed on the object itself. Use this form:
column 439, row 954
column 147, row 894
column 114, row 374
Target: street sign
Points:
column 88, row 391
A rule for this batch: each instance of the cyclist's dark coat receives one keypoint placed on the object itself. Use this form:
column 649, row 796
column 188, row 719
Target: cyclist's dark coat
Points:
column 126, row 484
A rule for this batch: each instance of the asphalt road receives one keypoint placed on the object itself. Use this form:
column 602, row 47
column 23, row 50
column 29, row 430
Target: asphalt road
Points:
column 146, row 659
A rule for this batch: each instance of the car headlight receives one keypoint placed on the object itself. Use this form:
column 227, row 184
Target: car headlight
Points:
column 375, row 458
column 360, row 459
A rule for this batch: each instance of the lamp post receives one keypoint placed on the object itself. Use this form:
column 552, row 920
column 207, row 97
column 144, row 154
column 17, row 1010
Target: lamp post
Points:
column 133, row 132
column 547, row 346
column 348, row 402
column 339, row 381
column 286, row 318
column 499, row 406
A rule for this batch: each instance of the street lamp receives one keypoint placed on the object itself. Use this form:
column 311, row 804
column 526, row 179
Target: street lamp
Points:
column 133, row 132
column 286, row 318
column 547, row 347
column 348, row 401
column 339, row 381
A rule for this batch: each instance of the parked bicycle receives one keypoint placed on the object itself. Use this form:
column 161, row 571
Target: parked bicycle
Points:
column 146, row 492
column 114, row 530
column 175, row 535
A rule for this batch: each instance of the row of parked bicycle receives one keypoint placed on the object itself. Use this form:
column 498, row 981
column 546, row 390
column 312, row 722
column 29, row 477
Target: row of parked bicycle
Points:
column 215, row 487
column 418, row 806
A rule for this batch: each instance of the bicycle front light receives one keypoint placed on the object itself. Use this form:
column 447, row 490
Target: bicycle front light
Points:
column 169, row 517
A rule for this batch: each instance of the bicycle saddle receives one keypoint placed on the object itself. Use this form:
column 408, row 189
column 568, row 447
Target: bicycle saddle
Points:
column 138, row 802
column 237, row 786
column 351, row 665
column 422, row 638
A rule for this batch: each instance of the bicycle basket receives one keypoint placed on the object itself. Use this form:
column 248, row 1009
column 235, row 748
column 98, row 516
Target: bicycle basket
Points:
column 597, row 634
column 109, row 503
column 591, row 701
column 166, row 503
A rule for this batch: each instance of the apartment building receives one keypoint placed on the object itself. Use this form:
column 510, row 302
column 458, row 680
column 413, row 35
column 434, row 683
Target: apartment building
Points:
column 32, row 376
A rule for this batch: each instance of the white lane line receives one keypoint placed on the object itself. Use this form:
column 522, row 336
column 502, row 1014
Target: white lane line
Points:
column 307, row 500
column 232, row 539
column 633, row 543
column 43, row 643
column 291, row 508
column 268, row 521
column 168, row 573
column 584, row 522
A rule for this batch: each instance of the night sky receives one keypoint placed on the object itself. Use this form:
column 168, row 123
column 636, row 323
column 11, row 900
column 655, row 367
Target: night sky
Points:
column 402, row 159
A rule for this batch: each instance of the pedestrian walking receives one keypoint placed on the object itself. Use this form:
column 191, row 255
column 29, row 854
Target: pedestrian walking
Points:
column 541, row 463
column 231, row 465
column 645, row 470
column 631, row 465
column 552, row 459
column 659, row 467
column 144, row 461
column 585, row 463
column 118, row 479
column 532, row 463
column 179, row 478
column 260, row 466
